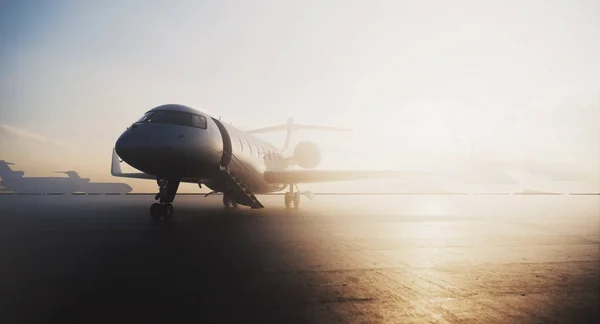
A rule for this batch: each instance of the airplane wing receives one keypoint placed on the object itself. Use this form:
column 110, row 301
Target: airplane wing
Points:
column 312, row 176
column 115, row 171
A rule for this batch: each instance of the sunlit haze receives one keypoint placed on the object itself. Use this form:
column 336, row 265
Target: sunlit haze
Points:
column 423, row 84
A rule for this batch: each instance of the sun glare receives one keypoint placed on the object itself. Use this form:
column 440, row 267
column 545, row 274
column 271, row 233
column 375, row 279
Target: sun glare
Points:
column 425, row 126
column 430, row 207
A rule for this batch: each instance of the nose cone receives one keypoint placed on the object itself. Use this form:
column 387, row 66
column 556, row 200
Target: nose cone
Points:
column 169, row 150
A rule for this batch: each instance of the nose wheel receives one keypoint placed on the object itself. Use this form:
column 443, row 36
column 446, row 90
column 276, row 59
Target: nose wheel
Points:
column 158, row 211
column 164, row 208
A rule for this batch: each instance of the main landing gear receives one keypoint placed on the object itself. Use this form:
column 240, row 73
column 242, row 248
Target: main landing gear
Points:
column 292, row 197
column 165, row 196
column 229, row 201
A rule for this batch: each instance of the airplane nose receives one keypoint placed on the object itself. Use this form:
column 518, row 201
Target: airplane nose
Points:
column 166, row 150
column 131, row 146
column 147, row 152
column 127, row 147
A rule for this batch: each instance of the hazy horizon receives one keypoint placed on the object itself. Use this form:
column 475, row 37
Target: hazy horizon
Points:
column 516, row 82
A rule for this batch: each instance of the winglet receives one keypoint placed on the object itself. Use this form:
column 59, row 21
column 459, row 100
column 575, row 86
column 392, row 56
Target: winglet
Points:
column 115, row 167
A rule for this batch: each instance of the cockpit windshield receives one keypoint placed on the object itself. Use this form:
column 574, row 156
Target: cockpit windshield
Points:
column 173, row 118
column 145, row 117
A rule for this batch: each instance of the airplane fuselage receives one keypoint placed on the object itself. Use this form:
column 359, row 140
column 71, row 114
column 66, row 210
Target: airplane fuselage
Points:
column 179, row 142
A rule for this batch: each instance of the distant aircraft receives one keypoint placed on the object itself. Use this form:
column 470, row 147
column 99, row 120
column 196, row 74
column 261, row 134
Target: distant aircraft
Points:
column 175, row 143
column 84, row 184
column 15, row 181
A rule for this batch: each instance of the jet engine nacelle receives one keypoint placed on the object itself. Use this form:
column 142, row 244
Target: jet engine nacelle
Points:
column 307, row 155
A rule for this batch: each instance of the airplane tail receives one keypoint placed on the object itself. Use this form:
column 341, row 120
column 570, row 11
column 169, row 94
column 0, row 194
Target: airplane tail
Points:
column 290, row 128
column 6, row 172
column 73, row 175
column 70, row 174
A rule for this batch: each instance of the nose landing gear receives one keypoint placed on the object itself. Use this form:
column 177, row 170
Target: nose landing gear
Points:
column 165, row 196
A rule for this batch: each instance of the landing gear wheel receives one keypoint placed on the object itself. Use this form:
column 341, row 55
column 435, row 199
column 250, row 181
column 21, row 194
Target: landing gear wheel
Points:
column 229, row 201
column 296, row 199
column 161, row 210
column 167, row 211
column 155, row 211
column 288, row 199
column 226, row 201
column 166, row 194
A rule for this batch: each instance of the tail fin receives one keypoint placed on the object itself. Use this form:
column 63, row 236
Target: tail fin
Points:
column 6, row 172
column 71, row 174
column 291, row 129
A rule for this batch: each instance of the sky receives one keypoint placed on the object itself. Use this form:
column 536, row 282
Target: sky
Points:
column 516, row 81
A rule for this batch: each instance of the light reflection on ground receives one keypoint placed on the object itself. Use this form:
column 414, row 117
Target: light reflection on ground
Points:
column 454, row 259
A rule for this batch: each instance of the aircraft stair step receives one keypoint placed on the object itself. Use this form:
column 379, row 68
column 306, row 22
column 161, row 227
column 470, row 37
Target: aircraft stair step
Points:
column 250, row 198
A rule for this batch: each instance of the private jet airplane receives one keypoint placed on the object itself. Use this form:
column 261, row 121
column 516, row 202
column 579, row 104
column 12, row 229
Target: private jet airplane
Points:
column 175, row 143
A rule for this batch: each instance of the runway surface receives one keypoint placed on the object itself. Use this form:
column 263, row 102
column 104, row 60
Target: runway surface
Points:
column 409, row 259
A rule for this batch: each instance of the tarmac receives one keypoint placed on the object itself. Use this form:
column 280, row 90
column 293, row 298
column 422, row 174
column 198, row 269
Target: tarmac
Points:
column 337, row 259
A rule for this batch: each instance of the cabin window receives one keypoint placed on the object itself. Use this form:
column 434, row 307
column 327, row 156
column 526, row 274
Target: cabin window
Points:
column 249, row 146
column 241, row 144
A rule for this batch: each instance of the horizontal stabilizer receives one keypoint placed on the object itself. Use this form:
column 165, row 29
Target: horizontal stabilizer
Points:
column 268, row 129
column 297, row 127
column 290, row 128
column 313, row 176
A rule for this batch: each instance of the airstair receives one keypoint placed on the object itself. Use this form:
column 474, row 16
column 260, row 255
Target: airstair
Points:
column 239, row 189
